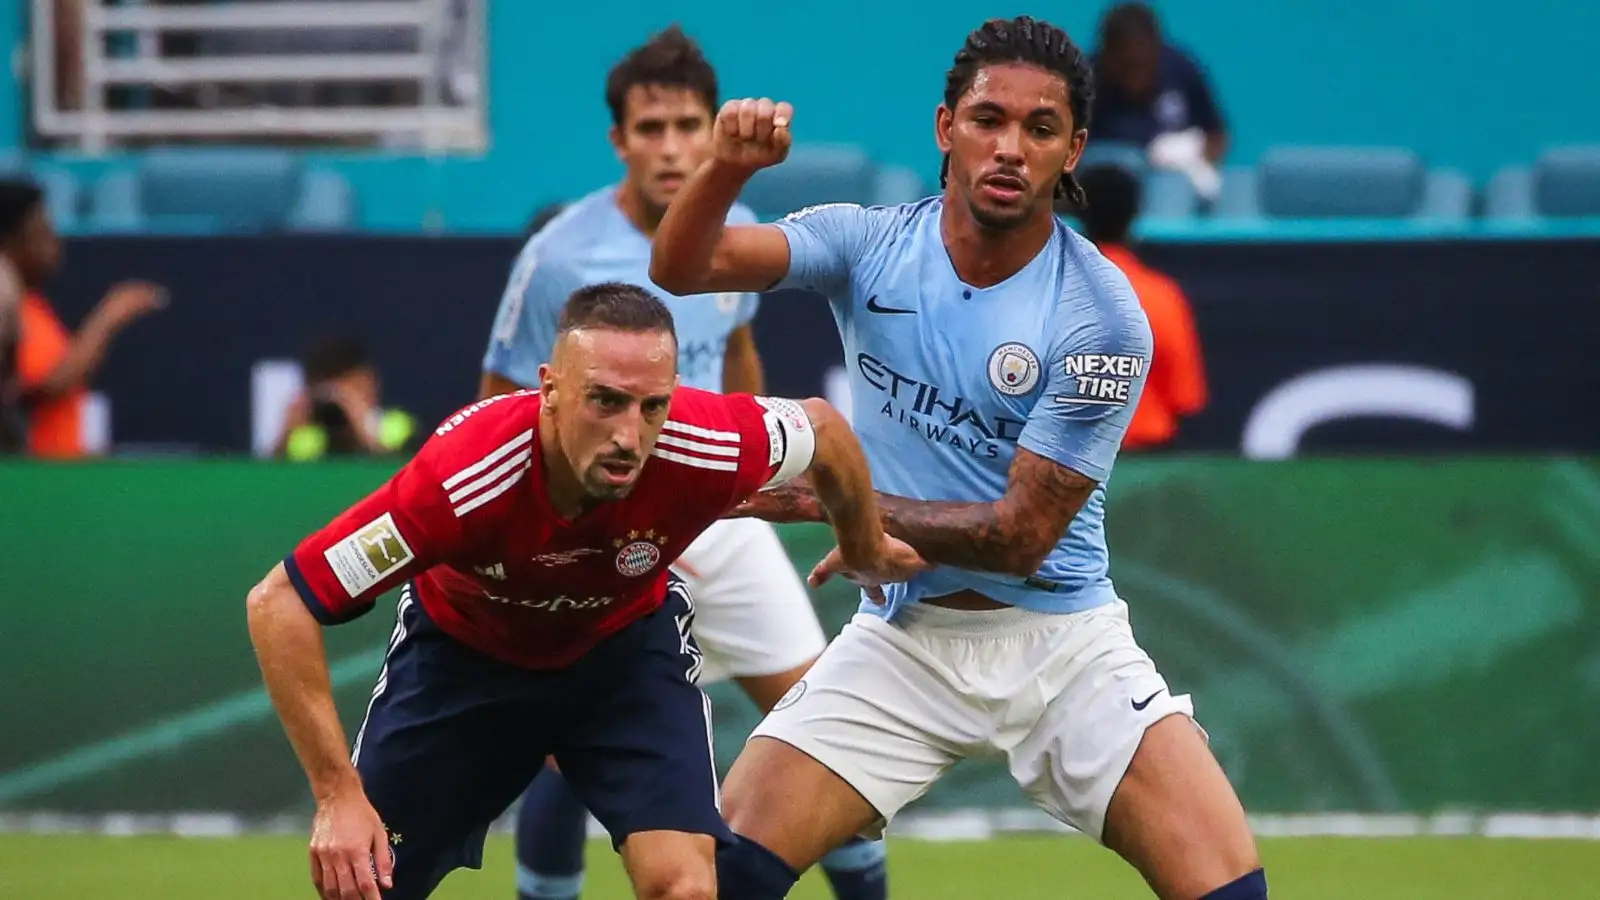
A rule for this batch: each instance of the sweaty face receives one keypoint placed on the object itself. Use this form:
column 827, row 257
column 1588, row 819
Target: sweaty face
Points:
column 1010, row 138
column 664, row 136
column 610, row 391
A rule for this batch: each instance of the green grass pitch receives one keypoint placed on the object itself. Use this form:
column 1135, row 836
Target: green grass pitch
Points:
column 40, row 867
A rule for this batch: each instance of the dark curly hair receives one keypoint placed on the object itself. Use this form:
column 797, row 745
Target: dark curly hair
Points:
column 669, row 59
column 1025, row 39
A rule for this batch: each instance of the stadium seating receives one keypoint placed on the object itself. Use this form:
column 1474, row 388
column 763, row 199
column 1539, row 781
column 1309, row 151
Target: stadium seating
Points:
column 217, row 191
column 1168, row 196
column 828, row 173
column 1563, row 183
column 63, row 197
column 1343, row 182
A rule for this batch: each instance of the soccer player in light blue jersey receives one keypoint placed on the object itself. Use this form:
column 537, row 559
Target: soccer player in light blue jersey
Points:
column 754, row 620
column 995, row 359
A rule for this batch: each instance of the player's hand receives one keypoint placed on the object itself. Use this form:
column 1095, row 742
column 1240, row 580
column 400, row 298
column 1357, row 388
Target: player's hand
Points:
column 128, row 301
column 752, row 134
column 792, row 502
column 896, row 562
column 349, row 846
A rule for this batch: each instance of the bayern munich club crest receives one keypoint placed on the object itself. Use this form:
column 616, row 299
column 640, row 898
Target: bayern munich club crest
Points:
column 1013, row 369
column 640, row 553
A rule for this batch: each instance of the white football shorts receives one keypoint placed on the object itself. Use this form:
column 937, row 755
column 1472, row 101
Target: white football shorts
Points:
column 1063, row 699
column 753, row 615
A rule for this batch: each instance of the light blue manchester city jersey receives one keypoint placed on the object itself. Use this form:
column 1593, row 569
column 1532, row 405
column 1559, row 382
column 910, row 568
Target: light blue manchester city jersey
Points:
column 590, row 242
column 947, row 380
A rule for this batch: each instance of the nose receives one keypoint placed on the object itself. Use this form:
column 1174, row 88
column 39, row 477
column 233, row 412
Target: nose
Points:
column 629, row 432
column 672, row 144
column 1008, row 146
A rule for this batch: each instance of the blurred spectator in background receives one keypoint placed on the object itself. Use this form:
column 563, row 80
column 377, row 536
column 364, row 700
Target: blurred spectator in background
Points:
column 339, row 413
column 50, row 367
column 1154, row 95
column 13, row 426
column 1176, row 384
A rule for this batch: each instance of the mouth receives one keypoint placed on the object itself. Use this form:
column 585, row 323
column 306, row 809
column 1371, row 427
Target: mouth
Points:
column 1003, row 189
column 670, row 180
column 617, row 471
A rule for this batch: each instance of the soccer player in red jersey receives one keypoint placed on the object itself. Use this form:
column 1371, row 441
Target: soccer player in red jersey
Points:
column 530, row 538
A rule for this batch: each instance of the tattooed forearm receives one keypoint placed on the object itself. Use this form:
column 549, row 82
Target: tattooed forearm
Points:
column 795, row 502
column 1012, row 535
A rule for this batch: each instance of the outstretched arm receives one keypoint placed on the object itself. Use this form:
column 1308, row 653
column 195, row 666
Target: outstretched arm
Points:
column 1012, row 535
column 288, row 642
column 816, row 446
column 843, row 485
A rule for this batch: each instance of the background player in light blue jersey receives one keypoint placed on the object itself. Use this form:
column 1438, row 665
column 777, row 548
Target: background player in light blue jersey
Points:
column 995, row 359
column 754, row 620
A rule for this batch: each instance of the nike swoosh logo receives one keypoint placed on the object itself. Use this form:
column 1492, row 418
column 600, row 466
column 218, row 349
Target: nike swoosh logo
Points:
column 872, row 306
column 1141, row 704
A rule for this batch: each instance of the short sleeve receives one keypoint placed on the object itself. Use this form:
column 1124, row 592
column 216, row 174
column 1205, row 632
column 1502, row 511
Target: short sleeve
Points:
column 397, row 532
column 1093, row 379
column 774, row 437
column 525, row 324
column 825, row 243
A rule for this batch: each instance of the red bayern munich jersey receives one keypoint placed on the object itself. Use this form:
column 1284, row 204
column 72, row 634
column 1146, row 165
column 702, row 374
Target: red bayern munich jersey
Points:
column 469, row 520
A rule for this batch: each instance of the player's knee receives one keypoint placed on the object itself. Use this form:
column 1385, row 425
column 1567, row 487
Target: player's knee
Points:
column 684, row 880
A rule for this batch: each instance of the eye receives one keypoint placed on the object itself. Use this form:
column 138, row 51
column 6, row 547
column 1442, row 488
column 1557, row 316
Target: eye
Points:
column 655, row 408
column 1043, row 131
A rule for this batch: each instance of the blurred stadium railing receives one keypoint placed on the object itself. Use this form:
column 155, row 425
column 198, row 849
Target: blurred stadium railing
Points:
column 309, row 71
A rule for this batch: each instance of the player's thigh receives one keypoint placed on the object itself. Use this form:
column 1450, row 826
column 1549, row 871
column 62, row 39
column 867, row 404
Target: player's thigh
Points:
column 1175, row 818
column 869, row 729
column 441, row 753
column 671, row 864
column 753, row 616
column 1113, row 739
column 640, row 752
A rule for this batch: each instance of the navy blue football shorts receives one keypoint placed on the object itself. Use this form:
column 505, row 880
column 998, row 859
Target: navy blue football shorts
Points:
column 452, row 737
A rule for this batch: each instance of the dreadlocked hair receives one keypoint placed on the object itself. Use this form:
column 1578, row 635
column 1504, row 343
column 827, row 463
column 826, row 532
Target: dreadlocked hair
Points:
column 1025, row 40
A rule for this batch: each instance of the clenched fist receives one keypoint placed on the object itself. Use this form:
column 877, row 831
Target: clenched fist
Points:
column 752, row 134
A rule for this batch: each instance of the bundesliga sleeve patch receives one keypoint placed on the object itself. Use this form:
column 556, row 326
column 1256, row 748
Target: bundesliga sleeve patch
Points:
column 1101, row 379
column 363, row 559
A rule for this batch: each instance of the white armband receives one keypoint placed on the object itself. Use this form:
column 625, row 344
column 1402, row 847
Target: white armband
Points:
column 790, row 436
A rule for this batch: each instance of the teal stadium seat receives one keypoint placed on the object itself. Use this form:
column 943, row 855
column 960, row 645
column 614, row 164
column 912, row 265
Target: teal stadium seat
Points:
column 1344, row 182
column 1563, row 183
column 220, row 191
column 1167, row 195
column 828, row 173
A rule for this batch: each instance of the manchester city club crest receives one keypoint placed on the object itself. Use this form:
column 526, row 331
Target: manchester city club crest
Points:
column 1013, row 369
column 640, row 552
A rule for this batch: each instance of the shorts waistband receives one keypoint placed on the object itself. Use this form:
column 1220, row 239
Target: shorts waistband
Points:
column 983, row 622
